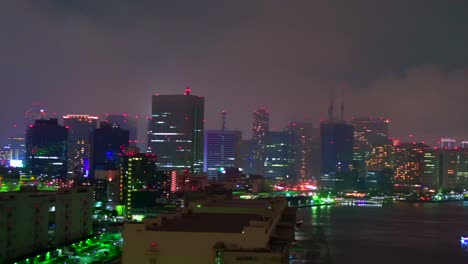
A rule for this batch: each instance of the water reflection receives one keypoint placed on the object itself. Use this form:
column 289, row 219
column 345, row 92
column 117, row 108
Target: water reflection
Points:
column 402, row 233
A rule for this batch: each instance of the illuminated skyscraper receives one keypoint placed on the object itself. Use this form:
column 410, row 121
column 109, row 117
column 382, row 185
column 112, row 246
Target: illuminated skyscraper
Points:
column 46, row 149
column 260, row 126
column 301, row 140
column 370, row 142
column 80, row 128
column 107, row 144
column 140, row 183
column 409, row 158
column 176, row 131
column 279, row 158
column 431, row 169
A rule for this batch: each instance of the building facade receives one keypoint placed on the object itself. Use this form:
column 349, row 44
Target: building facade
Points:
column 46, row 149
column 279, row 156
column 35, row 220
column 140, row 183
column 240, row 231
column 108, row 142
column 260, row 126
column 80, row 128
column 176, row 132
column 221, row 151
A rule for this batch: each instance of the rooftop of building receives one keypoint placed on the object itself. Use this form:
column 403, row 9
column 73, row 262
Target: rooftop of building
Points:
column 206, row 222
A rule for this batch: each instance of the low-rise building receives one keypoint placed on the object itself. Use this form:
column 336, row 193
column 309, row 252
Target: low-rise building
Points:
column 214, row 231
column 31, row 221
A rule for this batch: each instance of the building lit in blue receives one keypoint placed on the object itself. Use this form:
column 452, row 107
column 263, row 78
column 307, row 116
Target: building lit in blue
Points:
column 107, row 144
column 221, row 151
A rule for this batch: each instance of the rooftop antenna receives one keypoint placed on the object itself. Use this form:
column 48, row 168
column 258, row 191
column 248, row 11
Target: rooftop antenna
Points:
column 330, row 108
column 223, row 120
column 342, row 102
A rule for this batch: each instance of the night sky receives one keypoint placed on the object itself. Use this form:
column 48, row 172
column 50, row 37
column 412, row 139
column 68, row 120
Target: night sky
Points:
column 406, row 60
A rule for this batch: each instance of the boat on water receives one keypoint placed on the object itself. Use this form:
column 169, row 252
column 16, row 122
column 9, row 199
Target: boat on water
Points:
column 464, row 240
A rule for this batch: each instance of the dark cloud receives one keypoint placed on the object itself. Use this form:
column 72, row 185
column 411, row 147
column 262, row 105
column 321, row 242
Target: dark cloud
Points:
column 109, row 56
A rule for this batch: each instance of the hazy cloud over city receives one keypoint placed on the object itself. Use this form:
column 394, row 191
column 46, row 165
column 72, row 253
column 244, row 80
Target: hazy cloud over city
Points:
column 406, row 60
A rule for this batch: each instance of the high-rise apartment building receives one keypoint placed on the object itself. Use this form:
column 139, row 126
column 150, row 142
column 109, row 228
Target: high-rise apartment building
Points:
column 370, row 141
column 409, row 164
column 46, row 149
column 80, row 128
column 260, row 126
column 176, row 132
column 301, row 140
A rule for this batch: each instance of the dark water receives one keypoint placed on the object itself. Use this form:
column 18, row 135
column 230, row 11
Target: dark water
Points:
column 400, row 233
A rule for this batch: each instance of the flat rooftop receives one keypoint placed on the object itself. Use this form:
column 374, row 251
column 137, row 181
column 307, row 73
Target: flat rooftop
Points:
column 207, row 222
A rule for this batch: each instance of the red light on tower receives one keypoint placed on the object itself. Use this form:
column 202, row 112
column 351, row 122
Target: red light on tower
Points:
column 187, row 91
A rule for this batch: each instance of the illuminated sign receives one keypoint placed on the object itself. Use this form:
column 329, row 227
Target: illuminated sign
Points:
column 16, row 163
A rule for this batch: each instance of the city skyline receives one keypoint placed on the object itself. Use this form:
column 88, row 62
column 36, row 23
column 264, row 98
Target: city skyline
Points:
column 270, row 55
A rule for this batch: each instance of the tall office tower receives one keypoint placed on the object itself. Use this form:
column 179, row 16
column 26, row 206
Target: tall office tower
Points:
column 431, row 169
column 337, row 147
column 279, row 158
column 80, row 128
column 176, row 132
column 301, row 139
column 260, row 126
column 447, row 143
column 409, row 158
column 36, row 112
column 107, row 144
column 337, row 151
column 462, row 167
column 448, row 168
column 126, row 122
column 46, row 149
column 221, row 151
column 140, row 183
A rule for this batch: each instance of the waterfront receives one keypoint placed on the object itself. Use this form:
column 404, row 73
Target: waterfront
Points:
column 399, row 233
